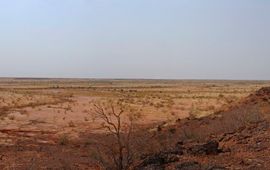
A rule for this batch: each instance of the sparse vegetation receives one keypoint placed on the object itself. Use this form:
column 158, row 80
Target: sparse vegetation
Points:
column 119, row 149
column 42, row 116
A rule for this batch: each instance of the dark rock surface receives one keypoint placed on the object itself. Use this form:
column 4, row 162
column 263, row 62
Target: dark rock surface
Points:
column 210, row 148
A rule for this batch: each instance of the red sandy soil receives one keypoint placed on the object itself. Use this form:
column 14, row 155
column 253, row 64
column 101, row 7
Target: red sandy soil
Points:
column 241, row 130
column 242, row 133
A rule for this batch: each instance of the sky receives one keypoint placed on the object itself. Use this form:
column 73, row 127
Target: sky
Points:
column 155, row 39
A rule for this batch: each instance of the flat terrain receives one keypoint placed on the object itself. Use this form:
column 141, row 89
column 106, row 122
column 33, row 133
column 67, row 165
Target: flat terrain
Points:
column 64, row 106
column 38, row 116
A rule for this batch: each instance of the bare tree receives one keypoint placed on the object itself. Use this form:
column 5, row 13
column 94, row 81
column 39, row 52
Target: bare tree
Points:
column 120, row 128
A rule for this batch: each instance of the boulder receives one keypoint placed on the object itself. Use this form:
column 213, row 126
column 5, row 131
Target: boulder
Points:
column 158, row 160
column 192, row 165
column 210, row 148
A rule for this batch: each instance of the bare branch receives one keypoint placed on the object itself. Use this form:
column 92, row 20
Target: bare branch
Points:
column 112, row 122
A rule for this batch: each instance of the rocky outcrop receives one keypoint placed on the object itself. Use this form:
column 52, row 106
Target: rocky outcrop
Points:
column 260, row 96
column 238, row 138
column 158, row 160
column 174, row 155
column 188, row 166
column 209, row 148
column 193, row 165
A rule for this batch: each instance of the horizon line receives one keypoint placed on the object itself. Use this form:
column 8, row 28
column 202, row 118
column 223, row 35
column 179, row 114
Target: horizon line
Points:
column 115, row 78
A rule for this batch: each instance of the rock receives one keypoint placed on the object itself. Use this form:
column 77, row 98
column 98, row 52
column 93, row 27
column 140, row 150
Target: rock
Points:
column 262, row 95
column 263, row 91
column 210, row 148
column 152, row 167
column 189, row 166
column 192, row 165
column 158, row 160
column 179, row 149
column 215, row 167
column 252, row 162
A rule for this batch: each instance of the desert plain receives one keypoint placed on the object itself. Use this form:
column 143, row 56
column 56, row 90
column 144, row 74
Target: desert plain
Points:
column 48, row 113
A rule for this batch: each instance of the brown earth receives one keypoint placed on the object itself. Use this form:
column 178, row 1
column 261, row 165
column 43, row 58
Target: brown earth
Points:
column 47, row 124
column 237, row 138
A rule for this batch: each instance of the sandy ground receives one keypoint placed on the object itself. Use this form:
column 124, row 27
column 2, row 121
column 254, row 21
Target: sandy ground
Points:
column 52, row 108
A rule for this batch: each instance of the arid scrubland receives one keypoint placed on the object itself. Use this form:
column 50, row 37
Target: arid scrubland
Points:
column 60, row 115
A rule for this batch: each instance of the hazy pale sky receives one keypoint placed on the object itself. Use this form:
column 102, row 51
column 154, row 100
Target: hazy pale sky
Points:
column 183, row 39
